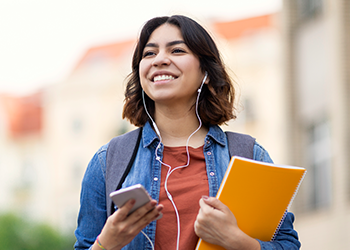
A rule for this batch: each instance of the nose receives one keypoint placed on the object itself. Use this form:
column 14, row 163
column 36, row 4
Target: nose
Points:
column 161, row 59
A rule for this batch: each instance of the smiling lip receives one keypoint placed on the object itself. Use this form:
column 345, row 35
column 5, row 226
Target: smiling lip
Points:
column 162, row 76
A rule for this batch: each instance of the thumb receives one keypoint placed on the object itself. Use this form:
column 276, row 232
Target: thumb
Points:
column 213, row 202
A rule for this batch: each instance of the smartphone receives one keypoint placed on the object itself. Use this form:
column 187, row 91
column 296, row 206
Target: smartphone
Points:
column 136, row 192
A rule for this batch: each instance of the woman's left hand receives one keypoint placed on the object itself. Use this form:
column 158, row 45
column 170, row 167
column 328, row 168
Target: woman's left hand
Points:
column 217, row 225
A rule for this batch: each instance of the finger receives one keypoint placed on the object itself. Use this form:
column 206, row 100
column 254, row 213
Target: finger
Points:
column 147, row 218
column 204, row 214
column 208, row 213
column 121, row 213
column 205, row 208
column 143, row 211
column 201, row 226
column 214, row 203
column 196, row 228
column 154, row 214
column 151, row 216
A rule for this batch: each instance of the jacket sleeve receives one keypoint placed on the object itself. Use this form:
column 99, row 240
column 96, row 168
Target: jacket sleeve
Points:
column 287, row 237
column 92, row 214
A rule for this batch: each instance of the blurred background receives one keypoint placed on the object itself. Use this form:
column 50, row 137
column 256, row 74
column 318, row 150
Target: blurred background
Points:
column 62, row 70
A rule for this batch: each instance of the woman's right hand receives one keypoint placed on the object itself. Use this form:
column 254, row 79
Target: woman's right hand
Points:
column 120, row 228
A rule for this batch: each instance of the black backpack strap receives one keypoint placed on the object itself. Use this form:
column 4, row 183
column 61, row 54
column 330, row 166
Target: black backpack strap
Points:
column 121, row 153
column 240, row 144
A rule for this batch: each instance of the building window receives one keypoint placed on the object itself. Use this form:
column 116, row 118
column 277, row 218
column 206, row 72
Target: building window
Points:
column 307, row 9
column 319, row 166
column 249, row 110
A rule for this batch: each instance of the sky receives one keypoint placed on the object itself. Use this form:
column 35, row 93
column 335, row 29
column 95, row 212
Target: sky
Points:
column 42, row 40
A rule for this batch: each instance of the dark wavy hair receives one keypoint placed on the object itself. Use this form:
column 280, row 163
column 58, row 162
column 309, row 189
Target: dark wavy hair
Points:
column 216, row 103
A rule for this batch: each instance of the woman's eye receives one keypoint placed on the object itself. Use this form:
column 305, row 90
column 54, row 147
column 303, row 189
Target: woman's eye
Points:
column 148, row 53
column 178, row 51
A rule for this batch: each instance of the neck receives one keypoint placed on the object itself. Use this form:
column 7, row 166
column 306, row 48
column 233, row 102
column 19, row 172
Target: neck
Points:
column 175, row 126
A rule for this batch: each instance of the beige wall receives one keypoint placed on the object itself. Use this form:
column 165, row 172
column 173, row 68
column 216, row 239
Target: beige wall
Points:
column 256, row 62
column 317, row 72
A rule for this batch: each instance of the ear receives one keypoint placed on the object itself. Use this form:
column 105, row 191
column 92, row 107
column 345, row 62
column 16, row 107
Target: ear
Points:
column 207, row 80
column 206, row 77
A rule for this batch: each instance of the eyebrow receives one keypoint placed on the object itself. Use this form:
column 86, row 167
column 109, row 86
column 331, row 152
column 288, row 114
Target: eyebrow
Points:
column 169, row 44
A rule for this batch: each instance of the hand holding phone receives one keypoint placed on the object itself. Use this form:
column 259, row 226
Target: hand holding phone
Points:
column 136, row 192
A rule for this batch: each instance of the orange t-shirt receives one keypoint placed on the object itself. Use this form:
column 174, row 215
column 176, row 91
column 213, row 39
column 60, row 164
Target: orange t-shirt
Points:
column 186, row 185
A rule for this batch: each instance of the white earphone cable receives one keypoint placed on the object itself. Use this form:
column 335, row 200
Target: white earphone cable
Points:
column 148, row 239
column 170, row 171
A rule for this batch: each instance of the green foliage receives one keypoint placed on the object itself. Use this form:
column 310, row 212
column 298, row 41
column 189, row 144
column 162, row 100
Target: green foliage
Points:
column 19, row 234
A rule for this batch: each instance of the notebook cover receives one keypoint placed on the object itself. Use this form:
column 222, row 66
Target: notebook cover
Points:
column 258, row 194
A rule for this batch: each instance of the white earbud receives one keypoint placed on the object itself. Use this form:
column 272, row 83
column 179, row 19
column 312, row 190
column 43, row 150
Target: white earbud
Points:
column 204, row 79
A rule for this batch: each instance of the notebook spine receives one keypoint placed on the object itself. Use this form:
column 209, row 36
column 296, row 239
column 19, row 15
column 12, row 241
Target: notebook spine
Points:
column 279, row 226
column 296, row 190
column 288, row 208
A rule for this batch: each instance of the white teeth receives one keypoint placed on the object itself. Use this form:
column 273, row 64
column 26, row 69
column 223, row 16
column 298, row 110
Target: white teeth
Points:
column 163, row 77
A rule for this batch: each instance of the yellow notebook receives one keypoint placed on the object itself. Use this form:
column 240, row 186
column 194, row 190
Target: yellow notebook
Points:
column 258, row 194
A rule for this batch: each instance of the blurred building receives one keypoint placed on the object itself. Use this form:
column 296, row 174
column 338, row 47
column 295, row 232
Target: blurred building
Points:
column 24, row 176
column 252, row 50
column 81, row 114
column 78, row 115
column 317, row 53
column 292, row 85
column 49, row 137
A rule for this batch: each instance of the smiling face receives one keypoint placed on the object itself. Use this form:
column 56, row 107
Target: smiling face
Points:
column 218, row 93
column 169, row 71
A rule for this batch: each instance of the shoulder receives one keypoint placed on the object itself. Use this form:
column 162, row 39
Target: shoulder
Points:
column 128, row 135
column 261, row 154
column 102, row 150
column 98, row 162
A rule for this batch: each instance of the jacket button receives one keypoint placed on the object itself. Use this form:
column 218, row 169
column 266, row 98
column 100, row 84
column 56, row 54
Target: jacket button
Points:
column 155, row 178
column 208, row 153
column 212, row 173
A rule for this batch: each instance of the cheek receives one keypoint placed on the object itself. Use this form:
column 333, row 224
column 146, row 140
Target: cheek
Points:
column 141, row 72
column 143, row 68
column 192, row 65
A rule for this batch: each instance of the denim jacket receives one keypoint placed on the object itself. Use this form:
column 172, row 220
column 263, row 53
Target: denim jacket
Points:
column 147, row 171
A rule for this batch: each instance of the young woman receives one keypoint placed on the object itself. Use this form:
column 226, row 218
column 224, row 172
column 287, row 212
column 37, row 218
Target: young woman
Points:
column 178, row 92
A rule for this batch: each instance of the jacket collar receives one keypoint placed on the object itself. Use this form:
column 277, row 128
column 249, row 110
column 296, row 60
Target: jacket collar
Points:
column 148, row 135
column 215, row 133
